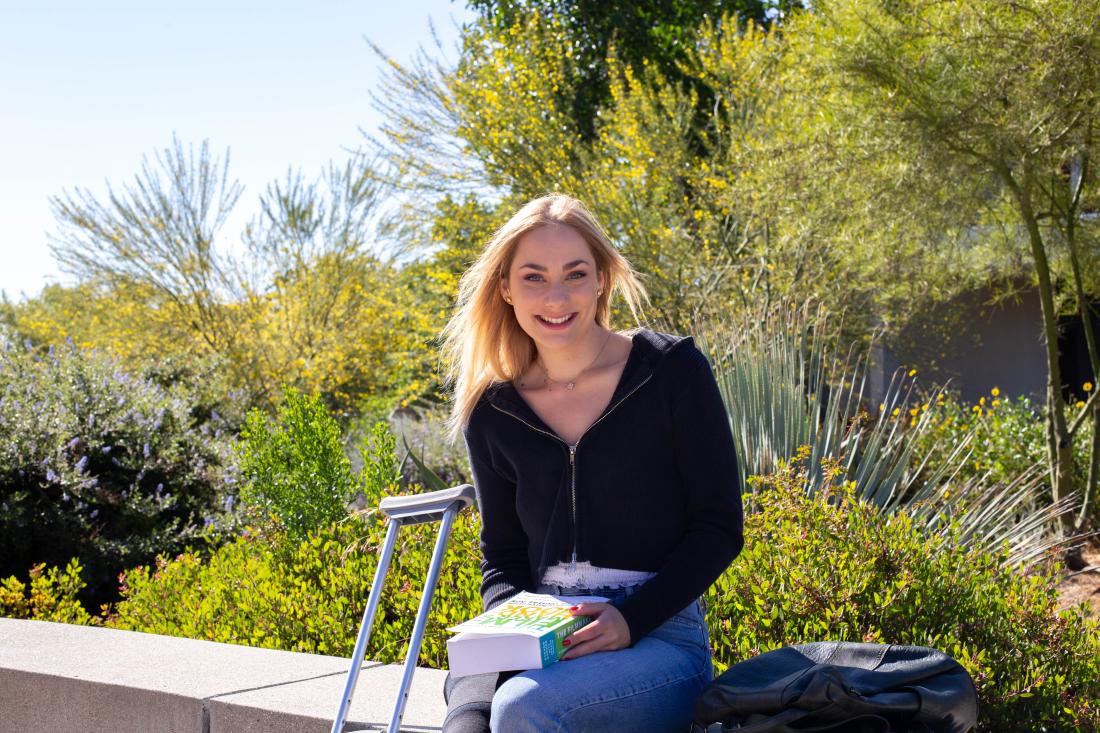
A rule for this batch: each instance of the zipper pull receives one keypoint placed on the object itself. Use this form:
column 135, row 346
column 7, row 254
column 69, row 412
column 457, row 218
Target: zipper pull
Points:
column 572, row 453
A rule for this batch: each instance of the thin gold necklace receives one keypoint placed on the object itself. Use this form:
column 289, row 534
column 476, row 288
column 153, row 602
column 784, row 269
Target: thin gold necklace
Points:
column 548, row 380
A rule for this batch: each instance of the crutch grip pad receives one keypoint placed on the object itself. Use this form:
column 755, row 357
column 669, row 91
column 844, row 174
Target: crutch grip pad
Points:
column 427, row 507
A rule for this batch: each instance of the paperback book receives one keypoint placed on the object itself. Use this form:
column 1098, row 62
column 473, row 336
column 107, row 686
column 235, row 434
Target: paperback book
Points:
column 524, row 632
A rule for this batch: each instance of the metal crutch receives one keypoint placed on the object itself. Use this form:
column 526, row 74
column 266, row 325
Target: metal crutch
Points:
column 401, row 510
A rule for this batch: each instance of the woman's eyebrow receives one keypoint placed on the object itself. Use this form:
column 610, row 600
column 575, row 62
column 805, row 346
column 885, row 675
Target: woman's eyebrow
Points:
column 566, row 266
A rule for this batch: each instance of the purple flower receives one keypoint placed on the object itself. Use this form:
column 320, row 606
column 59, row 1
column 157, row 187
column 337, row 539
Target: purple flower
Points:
column 106, row 449
column 94, row 513
column 51, row 476
column 145, row 450
column 80, row 465
column 64, row 496
column 228, row 504
column 207, row 521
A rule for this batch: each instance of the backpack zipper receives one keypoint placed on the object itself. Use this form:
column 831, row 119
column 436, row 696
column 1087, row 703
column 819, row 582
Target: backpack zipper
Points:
column 573, row 455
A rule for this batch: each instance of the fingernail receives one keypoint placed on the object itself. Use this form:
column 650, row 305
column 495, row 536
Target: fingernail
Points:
column 573, row 608
column 566, row 642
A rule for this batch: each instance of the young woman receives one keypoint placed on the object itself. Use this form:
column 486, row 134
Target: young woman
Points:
column 604, row 465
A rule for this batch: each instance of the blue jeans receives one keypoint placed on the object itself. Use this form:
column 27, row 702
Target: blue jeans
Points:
column 649, row 687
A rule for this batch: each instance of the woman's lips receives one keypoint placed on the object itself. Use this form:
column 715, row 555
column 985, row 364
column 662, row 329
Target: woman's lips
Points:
column 555, row 326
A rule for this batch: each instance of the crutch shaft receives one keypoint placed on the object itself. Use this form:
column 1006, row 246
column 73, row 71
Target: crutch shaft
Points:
column 363, row 638
column 422, row 615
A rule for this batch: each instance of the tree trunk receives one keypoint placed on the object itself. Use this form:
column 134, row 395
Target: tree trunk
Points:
column 1077, row 181
column 1059, row 446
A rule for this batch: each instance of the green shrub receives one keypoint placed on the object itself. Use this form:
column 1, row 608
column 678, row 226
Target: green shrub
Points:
column 297, row 477
column 51, row 595
column 830, row 566
column 106, row 466
column 312, row 598
column 1009, row 436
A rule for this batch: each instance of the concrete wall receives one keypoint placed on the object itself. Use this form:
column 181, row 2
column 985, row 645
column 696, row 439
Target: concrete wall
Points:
column 972, row 345
column 56, row 677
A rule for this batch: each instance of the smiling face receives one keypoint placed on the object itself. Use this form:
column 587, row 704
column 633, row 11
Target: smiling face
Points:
column 552, row 284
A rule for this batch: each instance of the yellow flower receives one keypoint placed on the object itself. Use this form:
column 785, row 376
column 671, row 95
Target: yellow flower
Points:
column 995, row 392
column 1080, row 404
column 912, row 372
column 897, row 411
column 996, row 402
column 981, row 401
column 1087, row 386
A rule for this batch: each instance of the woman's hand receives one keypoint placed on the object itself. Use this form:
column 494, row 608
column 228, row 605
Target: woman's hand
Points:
column 606, row 632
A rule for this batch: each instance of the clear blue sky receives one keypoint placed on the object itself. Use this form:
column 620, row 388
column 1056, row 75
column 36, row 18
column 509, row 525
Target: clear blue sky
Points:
column 87, row 89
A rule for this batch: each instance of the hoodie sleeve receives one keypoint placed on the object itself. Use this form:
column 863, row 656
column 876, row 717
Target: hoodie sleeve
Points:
column 706, row 459
column 504, row 567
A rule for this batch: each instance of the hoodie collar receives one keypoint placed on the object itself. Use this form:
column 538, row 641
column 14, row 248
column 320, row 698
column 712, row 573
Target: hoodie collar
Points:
column 648, row 349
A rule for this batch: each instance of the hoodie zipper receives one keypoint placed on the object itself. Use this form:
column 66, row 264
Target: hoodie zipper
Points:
column 573, row 455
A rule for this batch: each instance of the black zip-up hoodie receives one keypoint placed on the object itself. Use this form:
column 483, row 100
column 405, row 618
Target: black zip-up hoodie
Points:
column 652, row 485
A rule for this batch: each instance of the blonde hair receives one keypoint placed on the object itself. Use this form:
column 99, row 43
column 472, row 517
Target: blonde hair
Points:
column 483, row 341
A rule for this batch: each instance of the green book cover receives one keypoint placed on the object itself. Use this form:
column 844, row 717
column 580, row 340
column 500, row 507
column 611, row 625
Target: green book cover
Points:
column 539, row 620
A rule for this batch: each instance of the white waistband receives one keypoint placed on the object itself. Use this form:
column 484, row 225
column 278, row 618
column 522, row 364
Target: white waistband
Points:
column 586, row 575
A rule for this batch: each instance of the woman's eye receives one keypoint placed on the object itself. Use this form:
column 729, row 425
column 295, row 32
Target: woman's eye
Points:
column 575, row 275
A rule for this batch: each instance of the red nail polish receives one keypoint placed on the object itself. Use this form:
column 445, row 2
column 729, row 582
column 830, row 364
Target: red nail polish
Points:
column 573, row 608
column 566, row 642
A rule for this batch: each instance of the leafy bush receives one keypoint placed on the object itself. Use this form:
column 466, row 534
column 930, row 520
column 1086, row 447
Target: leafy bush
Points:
column 51, row 595
column 106, row 466
column 298, row 478
column 1009, row 435
column 828, row 565
column 311, row 599
column 301, row 588
column 294, row 468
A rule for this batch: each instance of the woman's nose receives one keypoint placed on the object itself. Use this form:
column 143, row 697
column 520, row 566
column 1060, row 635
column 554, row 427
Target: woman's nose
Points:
column 556, row 292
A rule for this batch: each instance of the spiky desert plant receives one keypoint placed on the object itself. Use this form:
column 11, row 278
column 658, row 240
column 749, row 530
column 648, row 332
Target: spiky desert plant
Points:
column 786, row 386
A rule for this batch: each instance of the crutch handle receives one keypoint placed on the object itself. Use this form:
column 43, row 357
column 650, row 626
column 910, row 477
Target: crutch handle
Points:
column 427, row 507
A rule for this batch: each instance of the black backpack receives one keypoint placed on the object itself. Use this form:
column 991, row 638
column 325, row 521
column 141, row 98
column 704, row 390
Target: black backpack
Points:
column 841, row 687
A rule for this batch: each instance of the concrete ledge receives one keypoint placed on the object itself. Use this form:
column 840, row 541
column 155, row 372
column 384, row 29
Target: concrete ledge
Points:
column 60, row 677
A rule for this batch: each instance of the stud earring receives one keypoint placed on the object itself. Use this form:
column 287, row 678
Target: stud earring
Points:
column 599, row 293
column 508, row 301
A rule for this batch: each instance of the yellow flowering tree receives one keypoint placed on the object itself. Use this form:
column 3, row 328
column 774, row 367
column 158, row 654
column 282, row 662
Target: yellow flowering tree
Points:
column 307, row 300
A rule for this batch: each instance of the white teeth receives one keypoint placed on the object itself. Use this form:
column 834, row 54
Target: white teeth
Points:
column 563, row 319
